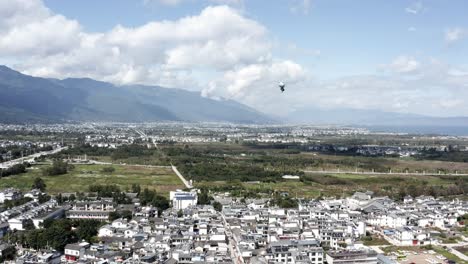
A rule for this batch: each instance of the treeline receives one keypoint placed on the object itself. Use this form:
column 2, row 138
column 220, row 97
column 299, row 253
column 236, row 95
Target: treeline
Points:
column 283, row 201
column 448, row 155
column 325, row 180
column 209, row 163
column 56, row 234
column 121, row 152
column 110, row 191
column 8, row 204
column 259, row 145
column 14, row 170
column 395, row 187
column 151, row 197
column 222, row 172
column 146, row 196
column 58, row 167
column 460, row 188
column 133, row 150
column 86, row 149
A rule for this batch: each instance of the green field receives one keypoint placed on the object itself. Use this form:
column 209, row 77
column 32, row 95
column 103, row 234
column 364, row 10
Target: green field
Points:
column 256, row 171
column 339, row 185
column 161, row 179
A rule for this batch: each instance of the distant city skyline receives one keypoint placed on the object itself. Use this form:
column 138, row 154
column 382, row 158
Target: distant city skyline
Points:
column 396, row 56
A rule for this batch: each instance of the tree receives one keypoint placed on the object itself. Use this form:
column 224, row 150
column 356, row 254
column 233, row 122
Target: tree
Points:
column 8, row 253
column 218, row 206
column 43, row 198
column 87, row 230
column 28, row 224
column 126, row 214
column 160, row 202
column 203, row 197
column 59, row 198
column 39, row 184
column 108, row 170
column 13, row 170
column 114, row 216
column 58, row 168
column 136, row 188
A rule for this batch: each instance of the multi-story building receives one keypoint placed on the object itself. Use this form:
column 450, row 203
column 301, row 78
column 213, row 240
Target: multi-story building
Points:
column 181, row 200
column 98, row 210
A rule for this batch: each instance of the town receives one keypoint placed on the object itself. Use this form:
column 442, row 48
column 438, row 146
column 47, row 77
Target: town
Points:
column 361, row 228
column 223, row 193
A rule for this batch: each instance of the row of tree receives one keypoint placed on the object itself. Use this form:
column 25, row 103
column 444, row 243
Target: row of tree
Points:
column 56, row 234
column 151, row 197
column 14, row 170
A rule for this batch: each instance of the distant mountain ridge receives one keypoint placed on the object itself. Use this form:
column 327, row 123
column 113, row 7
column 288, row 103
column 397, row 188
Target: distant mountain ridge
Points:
column 365, row 117
column 32, row 99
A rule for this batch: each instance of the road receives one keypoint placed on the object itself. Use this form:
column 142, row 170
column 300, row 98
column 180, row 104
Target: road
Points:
column 456, row 252
column 186, row 183
column 174, row 168
column 234, row 249
column 10, row 163
column 382, row 173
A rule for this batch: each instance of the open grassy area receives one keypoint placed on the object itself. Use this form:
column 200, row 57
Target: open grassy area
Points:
column 447, row 254
column 422, row 250
column 383, row 164
column 463, row 249
column 375, row 241
column 219, row 165
column 161, row 179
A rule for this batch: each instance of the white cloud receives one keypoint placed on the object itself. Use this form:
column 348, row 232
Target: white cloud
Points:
column 251, row 79
column 164, row 2
column 300, row 6
column 454, row 34
column 412, row 29
column 177, row 2
column 20, row 12
column 298, row 51
column 403, row 64
column 159, row 52
column 415, row 8
column 228, row 2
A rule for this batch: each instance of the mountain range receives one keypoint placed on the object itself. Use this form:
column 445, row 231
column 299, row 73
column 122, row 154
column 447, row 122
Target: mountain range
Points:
column 32, row 99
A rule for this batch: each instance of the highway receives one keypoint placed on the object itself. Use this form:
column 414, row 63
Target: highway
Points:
column 10, row 163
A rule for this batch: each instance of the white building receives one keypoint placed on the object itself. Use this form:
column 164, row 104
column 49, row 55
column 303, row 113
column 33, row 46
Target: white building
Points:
column 181, row 200
column 9, row 194
column 351, row 256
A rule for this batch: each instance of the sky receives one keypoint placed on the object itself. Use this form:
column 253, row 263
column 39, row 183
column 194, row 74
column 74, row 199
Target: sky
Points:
column 396, row 56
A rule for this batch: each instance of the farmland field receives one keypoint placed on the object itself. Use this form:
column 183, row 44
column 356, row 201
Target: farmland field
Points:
column 161, row 179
